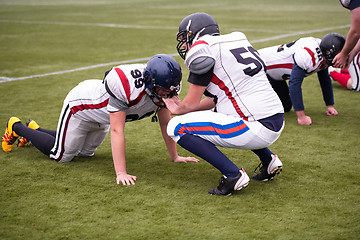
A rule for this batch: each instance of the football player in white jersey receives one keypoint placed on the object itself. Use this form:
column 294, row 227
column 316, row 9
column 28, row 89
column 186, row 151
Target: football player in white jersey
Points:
column 344, row 58
column 140, row 95
column 240, row 110
column 128, row 92
column 299, row 59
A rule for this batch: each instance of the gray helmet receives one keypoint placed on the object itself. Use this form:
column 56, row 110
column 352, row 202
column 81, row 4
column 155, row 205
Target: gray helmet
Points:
column 195, row 25
column 331, row 44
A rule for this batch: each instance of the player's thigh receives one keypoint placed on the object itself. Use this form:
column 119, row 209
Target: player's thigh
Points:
column 74, row 139
column 94, row 139
column 220, row 129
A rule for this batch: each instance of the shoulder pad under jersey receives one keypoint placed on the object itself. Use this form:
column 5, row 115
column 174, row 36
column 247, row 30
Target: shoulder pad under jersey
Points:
column 201, row 65
column 199, row 59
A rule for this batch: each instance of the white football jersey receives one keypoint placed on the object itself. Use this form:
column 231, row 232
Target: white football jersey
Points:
column 127, row 86
column 305, row 52
column 88, row 101
column 239, row 81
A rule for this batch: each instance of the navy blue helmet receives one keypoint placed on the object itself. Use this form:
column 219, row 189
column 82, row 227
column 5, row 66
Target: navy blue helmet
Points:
column 195, row 25
column 331, row 44
column 163, row 72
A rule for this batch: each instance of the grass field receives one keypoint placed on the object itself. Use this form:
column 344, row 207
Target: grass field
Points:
column 48, row 46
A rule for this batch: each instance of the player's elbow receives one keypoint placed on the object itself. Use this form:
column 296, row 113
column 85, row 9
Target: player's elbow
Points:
column 116, row 130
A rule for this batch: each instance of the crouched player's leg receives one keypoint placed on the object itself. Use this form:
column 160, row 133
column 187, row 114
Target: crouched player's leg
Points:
column 270, row 163
column 15, row 129
column 76, row 137
column 199, row 133
column 95, row 137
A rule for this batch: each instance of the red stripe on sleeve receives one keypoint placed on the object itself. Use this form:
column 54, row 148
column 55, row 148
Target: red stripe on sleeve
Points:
column 125, row 82
column 312, row 55
column 132, row 103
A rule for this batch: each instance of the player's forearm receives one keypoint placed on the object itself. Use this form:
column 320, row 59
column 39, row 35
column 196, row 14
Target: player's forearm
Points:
column 206, row 104
column 326, row 87
column 164, row 118
column 118, row 152
column 354, row 33
column 170, row 144
column 350, row 42
column 119, row 165
column 192, row 100
column 184, row 108
column 295, row 82
column 171, row 147
column 296, row 97
column 355, row 51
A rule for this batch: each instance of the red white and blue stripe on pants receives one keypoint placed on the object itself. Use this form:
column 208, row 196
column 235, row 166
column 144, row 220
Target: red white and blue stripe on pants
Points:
column 209, row 128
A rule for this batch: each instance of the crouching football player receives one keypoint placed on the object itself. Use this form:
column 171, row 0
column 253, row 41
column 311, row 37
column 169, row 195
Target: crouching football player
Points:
column 127, row 93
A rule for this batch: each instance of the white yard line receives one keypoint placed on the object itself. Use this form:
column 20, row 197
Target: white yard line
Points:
column 7, row 79
column 110, row 25
column 300, row 33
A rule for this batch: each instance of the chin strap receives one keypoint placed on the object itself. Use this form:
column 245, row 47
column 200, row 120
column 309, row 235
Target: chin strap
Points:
column 155, row 118
column 154, row 97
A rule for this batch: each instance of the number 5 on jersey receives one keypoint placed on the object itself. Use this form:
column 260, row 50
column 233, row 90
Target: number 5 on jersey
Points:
column 259, row 63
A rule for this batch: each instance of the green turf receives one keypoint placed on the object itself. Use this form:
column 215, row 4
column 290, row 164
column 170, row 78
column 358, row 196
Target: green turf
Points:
column 315, row 197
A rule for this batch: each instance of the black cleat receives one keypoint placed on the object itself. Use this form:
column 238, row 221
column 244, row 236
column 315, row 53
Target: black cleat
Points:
column 228, row 185
column 268, row 172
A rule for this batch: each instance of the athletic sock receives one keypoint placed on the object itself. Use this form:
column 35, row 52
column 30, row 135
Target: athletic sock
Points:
column 345, row 71
column 209, row 152
column 41, row 140
column 341, row 78
column 48, row 131
column 264, row 154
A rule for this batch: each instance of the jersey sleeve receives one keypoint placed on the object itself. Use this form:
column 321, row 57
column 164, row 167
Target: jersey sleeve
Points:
column 201, row 80
column 118, row 100
column 199, row 59
column 295, row 82
column 116, row 105
column 117, row 85
column 305, row 59
column 326, row 87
